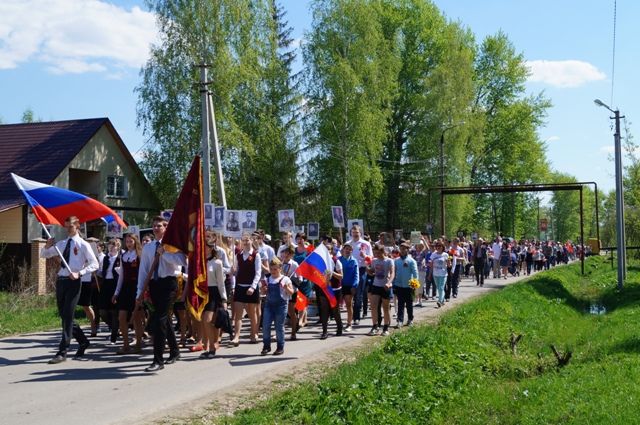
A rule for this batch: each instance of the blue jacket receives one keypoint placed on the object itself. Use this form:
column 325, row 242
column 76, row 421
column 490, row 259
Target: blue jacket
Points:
column 350, row 276
column 406, row 269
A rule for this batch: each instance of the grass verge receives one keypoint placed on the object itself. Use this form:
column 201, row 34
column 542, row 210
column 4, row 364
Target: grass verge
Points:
column 24, row 312
column 464, row 370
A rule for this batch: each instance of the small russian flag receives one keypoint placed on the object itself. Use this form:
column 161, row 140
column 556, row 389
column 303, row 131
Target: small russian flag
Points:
column 314, row 268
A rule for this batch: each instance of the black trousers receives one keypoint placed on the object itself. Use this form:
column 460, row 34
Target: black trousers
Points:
column 163, row 295
column 67, row 295
column 478, row 268
column 404, row 300
column 453, row 281
column 326, row 310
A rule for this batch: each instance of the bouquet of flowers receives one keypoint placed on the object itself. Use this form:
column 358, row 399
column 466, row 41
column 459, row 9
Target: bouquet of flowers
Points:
column 413, row 283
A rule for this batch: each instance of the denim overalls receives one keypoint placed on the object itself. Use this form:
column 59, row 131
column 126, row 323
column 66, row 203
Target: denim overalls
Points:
column 275, row 309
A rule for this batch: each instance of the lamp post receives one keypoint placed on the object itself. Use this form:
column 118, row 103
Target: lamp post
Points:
column 620, row 233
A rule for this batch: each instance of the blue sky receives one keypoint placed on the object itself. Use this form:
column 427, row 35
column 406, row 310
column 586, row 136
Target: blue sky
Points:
column 69, row 59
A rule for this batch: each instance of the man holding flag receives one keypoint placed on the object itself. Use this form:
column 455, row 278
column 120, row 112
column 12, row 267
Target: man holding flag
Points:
column 160, row 264
column 319, row 267
column 54, row 205
column 79, row 257
column 158, row 272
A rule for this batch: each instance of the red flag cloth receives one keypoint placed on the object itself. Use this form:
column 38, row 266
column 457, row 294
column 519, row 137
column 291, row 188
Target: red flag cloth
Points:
column 301, row 301
column 185, row 232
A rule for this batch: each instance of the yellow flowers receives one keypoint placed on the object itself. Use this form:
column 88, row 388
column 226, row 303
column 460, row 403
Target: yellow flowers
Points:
column 413, row 283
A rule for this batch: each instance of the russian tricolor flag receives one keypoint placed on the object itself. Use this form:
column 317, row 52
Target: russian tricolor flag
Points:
column 314, row 268
column 52, row 205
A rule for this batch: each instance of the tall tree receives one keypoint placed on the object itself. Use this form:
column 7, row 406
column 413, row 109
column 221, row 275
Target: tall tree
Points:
column 268, row 112
column 511, row 149
column 432, row 96
column 351, row 72
column 218, row 33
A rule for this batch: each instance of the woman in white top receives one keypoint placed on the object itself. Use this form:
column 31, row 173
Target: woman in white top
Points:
column 438, row 264
column 217, row 299
column 125, row 294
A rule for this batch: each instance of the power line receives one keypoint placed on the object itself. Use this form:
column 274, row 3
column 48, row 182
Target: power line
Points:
column 613, row 58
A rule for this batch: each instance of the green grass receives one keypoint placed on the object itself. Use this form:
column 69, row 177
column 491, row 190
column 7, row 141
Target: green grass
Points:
column 463, row 371
column 26, row 312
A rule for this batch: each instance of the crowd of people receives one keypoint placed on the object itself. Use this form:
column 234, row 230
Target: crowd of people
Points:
column 141, row 287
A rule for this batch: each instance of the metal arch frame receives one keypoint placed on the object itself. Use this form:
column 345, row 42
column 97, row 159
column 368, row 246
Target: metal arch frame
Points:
column 542, row 187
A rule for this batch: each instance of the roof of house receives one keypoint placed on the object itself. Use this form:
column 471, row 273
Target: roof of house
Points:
column 40, row 151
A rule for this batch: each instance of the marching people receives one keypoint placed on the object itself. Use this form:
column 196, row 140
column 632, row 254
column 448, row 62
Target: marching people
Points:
column 81, row 260
column 86, row 294
column 109, row 271
column 406, row 269
column 124, row 296
column 246, row 295
column 438, row 263
column 382, row 270
column 332, row 280
column 277, row 290
column 289, row 268
column 217, row 300
column 157, row 274
column 361, row 251
column 479, row 255
column 350, row 281
column 457, row 255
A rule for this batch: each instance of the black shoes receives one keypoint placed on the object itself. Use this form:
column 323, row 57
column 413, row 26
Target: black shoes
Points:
column 82, row 349
column 154, row 367
column 265, row 351
column 324, row 335
column 278, row 352
column 172, row 359
column 59, row 358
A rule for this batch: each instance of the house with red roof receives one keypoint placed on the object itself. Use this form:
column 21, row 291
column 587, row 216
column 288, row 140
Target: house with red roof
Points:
column 86, row 156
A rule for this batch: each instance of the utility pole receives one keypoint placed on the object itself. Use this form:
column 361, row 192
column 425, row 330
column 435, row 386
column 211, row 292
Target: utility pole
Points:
column 205, row 147
column 620, row 232
column 222, row 196
column 208, row 129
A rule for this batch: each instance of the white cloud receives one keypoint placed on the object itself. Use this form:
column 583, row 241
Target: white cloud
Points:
column 74, row 36
column 564, row 74
column 608, row 149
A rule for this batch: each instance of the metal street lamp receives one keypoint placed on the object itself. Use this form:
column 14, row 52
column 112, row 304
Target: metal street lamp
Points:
column 620, row 233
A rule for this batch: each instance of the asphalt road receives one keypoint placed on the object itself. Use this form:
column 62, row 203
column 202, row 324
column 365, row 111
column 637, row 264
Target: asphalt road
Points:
column 104, row 388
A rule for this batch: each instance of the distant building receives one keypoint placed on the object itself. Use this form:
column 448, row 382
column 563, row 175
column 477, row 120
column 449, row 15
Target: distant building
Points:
column 86, row 156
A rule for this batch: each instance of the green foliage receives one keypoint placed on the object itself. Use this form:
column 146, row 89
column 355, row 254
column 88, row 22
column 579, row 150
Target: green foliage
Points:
column 220, row 33
column 28, row 116
column 350, row 67
column 390, row 87
column 27, row 312
column 463, row 371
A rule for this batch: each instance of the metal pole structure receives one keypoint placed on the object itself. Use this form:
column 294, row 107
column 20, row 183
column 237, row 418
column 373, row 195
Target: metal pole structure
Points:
column 205, row 147
column 222, row 196
column 442, row 231
column 581, row 233
column 620, row 237
column 538, row 224
column 620, row 199
column 597, row 218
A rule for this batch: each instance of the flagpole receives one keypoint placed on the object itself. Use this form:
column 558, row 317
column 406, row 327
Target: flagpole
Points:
column 64, row 262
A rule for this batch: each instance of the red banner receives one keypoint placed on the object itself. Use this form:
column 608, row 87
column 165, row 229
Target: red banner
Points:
column 185, row 232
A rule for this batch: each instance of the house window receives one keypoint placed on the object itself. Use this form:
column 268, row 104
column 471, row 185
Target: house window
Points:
column 117, row 186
